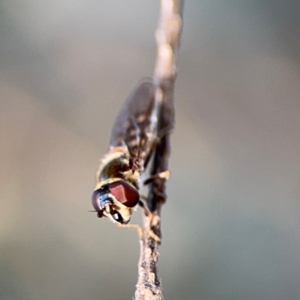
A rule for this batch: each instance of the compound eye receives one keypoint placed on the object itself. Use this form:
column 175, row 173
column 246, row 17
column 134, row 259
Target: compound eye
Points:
column 124, row 193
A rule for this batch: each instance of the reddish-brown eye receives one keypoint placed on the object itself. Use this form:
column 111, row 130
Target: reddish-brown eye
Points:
column 124, row 193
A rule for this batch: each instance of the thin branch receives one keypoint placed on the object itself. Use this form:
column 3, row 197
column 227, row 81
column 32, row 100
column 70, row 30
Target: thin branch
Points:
column 168, row 38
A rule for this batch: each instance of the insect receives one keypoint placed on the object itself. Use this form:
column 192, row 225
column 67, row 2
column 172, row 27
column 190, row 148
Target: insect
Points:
column 134, row 137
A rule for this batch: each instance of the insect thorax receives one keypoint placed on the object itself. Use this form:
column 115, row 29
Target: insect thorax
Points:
column 115, row 165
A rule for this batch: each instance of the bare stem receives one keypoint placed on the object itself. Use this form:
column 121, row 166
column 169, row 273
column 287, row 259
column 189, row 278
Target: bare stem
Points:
column 167, row 38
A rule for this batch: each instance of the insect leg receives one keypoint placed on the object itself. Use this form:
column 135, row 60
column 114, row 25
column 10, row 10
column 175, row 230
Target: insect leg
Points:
column 132, row 226
column 154, row 220
column 160, row 175
column 143, row 205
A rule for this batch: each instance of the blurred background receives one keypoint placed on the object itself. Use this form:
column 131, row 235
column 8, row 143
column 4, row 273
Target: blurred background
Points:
column 231, row 226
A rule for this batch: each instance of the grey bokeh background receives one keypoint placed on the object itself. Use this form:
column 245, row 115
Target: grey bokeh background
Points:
column 231, row 225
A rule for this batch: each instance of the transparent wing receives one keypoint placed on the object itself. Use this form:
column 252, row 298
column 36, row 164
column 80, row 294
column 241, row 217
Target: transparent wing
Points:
column 136, row 125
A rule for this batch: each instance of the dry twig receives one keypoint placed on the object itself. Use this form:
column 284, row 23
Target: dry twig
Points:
column 167, row 37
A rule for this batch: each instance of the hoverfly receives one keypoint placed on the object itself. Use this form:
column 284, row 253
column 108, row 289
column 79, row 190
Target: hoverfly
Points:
column 134, row 137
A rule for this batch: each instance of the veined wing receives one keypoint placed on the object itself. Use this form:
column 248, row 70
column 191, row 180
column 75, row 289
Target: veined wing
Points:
column 136, row 126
